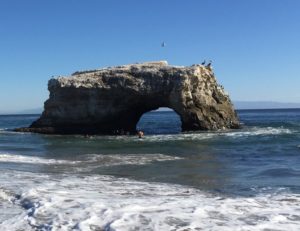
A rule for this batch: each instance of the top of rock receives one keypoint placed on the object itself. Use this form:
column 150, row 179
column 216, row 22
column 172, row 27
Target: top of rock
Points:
column 158, row 69
column 128, row 66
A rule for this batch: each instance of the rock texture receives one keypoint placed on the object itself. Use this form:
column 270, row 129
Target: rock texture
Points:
column 112, row 100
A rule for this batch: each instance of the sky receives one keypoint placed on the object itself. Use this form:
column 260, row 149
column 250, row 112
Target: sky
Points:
column 254, row 44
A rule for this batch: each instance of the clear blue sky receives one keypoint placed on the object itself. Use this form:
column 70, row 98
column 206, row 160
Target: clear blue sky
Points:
column 254, row 44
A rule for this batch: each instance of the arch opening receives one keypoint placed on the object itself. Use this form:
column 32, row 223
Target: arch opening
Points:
column 161, row 121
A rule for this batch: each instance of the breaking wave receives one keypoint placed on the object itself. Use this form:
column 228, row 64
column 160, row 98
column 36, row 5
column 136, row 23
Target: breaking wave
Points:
column 99, row 159
column 108, row 203
column 245, row 132
column 31, row 159
column 258, row 131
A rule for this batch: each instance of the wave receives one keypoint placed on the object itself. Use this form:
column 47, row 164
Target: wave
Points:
column 3, row 130
column 10, row 131
column 31, row 159
column 129, row 158
column 178, row 137
column 108, row 203
column 6, row 195
column 258, row 131
column 10, row 210
column 245, row 132
column 97, row 159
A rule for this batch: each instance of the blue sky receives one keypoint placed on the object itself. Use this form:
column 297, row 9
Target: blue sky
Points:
column 254, row 44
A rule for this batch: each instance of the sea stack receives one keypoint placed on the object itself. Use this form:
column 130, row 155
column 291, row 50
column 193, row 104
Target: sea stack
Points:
column 112, row 100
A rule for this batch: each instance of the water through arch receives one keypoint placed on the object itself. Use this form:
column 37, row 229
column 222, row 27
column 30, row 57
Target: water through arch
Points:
column 161, row 121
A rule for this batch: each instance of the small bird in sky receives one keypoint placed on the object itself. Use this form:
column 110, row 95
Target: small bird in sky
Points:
column 163, row 44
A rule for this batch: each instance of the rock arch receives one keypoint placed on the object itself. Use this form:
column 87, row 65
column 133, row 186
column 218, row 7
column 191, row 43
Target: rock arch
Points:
column 112, row 100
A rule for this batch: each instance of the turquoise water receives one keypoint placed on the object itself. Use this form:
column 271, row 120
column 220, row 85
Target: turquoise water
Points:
column 247, row 178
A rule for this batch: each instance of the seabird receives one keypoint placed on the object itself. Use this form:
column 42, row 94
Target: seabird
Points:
column 209, row 63
column 163, row 44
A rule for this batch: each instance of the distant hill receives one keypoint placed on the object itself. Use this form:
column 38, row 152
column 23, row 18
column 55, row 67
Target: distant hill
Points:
column 263, row 105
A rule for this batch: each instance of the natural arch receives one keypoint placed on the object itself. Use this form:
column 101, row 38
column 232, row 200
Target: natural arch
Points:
column 161, row 121
column 112, row 100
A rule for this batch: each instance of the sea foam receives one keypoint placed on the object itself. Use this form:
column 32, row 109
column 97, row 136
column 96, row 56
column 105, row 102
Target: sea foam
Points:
column 14, row 158
column 245, row 132
column 99, row 159
column 259, row 131
column 109, row 203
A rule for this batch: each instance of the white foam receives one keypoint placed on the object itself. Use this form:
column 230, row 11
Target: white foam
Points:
column 6, row 131
column 258, row 131
column 9, row 211
column 166, row 137
column 6, row 195
column 2, row 130
column 91, row 160
column 108, row 203
column 128, row 159
column 32, row 159
column 245, row 132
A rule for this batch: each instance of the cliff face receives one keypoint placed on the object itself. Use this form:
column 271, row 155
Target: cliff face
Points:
column 112, row 100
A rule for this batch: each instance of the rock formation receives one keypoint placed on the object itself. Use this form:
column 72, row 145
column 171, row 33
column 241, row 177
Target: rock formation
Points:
column 112, row 100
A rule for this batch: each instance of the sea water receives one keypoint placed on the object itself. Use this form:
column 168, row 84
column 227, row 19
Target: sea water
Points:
column 246, row 179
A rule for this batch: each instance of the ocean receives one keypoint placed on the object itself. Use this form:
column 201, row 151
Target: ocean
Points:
column 245, row 179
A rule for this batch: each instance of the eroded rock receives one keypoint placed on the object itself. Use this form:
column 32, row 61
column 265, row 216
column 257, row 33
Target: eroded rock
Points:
column 112, row 100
